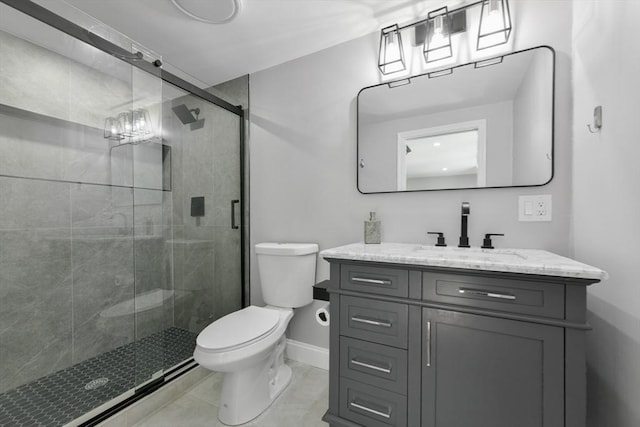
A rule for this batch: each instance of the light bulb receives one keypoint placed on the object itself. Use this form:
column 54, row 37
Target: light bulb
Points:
column 493, row 7
column 393, row 50
column 438, row 25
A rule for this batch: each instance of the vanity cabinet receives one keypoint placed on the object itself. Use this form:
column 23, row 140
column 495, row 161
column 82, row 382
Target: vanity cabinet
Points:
column 415, row 345
column 486, row 371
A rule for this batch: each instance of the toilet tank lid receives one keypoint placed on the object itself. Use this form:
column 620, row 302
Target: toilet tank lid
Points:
column 286, row 248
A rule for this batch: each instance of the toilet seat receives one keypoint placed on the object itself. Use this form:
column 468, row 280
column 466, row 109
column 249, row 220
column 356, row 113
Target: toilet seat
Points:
column 238, row 329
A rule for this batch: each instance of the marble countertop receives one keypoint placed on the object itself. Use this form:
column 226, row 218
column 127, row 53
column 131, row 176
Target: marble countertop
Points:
column 525, row 261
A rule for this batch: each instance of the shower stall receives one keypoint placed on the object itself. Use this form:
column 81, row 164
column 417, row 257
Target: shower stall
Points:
column 121, row 215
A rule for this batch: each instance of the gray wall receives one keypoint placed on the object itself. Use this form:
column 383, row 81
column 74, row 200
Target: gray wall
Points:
column 303, row 160
column 606, row 66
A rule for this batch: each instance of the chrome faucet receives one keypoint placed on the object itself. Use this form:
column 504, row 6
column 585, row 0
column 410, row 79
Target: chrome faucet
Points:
column 464, row 238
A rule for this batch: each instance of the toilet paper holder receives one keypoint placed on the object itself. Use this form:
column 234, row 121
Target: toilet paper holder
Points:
column 322, row 315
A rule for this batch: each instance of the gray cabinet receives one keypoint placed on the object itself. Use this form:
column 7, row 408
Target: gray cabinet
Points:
column 435, row 347
column 484, row 371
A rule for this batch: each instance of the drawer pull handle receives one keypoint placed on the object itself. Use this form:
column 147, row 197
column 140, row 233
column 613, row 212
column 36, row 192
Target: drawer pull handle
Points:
column 373, row 322
column 370, row 366
column 386, row 415
column 381, row 282
column 487, row 294
column 428, row 344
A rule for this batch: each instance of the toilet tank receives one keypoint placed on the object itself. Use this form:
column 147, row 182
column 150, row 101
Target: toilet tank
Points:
column 287, row 273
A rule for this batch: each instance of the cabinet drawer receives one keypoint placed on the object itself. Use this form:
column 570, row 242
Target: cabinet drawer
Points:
column 514, row 296
column 375, row 364
column 371, row 406
column 375, row 280
column 378, row 321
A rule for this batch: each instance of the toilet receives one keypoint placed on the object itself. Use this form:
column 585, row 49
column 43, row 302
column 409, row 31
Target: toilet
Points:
column 248, row 345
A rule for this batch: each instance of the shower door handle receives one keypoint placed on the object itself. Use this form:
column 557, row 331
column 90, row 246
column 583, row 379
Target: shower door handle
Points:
column 233, row 214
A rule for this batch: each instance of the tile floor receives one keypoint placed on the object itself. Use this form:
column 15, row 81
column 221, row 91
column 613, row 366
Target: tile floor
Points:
column 302, row 403
column 62, row 396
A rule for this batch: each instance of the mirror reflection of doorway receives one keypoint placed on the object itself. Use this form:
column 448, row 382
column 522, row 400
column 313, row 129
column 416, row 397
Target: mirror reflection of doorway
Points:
column 451, row 156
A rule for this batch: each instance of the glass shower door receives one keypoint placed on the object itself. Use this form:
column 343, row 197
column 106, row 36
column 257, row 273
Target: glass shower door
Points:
column 206, row 189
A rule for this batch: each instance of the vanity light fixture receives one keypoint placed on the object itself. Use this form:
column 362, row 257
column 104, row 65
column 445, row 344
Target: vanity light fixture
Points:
column 391, row 58
column 437, row 44
column 494, row 29
column 495, row 24
column 128, row 124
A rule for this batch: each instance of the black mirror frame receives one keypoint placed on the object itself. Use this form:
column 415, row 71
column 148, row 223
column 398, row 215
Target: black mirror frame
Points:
column 450, row 70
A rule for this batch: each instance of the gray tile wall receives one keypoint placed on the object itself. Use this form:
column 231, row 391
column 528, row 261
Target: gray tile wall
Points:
column 36, row 288
column 74, row 256
column 206, row 163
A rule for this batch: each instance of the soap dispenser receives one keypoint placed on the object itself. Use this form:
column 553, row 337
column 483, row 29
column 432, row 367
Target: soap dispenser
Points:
column 372, row 230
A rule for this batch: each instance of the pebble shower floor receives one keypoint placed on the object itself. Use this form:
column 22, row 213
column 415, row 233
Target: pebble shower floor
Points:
column 70, row 393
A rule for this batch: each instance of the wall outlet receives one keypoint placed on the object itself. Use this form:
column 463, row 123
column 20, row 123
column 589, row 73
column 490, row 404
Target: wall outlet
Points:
column 536, row 207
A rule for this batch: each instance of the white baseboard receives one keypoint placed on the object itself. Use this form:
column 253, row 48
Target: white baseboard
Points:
column 307, row 353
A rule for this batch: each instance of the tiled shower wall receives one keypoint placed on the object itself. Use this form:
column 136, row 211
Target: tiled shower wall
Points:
column 67, row 265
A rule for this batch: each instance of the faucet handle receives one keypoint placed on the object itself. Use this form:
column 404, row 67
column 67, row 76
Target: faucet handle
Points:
column 440, row 241
column 486, row 243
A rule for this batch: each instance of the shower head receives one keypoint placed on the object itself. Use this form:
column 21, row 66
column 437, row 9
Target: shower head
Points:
column 197, row 124
column 184, row 114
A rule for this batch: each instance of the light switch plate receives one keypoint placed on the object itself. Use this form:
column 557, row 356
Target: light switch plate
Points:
column 535, row 207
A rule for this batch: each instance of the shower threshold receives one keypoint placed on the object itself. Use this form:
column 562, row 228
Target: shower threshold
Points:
column 66, row 395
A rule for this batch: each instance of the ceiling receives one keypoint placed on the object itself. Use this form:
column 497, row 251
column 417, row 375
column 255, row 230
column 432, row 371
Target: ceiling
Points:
column 264, row 34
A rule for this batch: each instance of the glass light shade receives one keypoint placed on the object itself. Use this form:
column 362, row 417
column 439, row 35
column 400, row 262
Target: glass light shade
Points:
column 125, row 120
column 391, row 57
column 146, row 121
column 112, row 129
column 141, row 123
column 495, row 24
column 437, row 44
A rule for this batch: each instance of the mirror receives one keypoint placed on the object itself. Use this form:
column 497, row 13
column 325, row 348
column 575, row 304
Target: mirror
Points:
column 485, row 124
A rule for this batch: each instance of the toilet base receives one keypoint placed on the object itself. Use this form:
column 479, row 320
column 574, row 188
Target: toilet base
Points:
column 247, row 393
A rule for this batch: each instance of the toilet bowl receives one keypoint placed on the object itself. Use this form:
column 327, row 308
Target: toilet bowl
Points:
column 248, row 345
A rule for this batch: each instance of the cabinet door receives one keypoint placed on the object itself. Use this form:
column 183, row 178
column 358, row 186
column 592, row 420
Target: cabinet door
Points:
column 480, row 371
